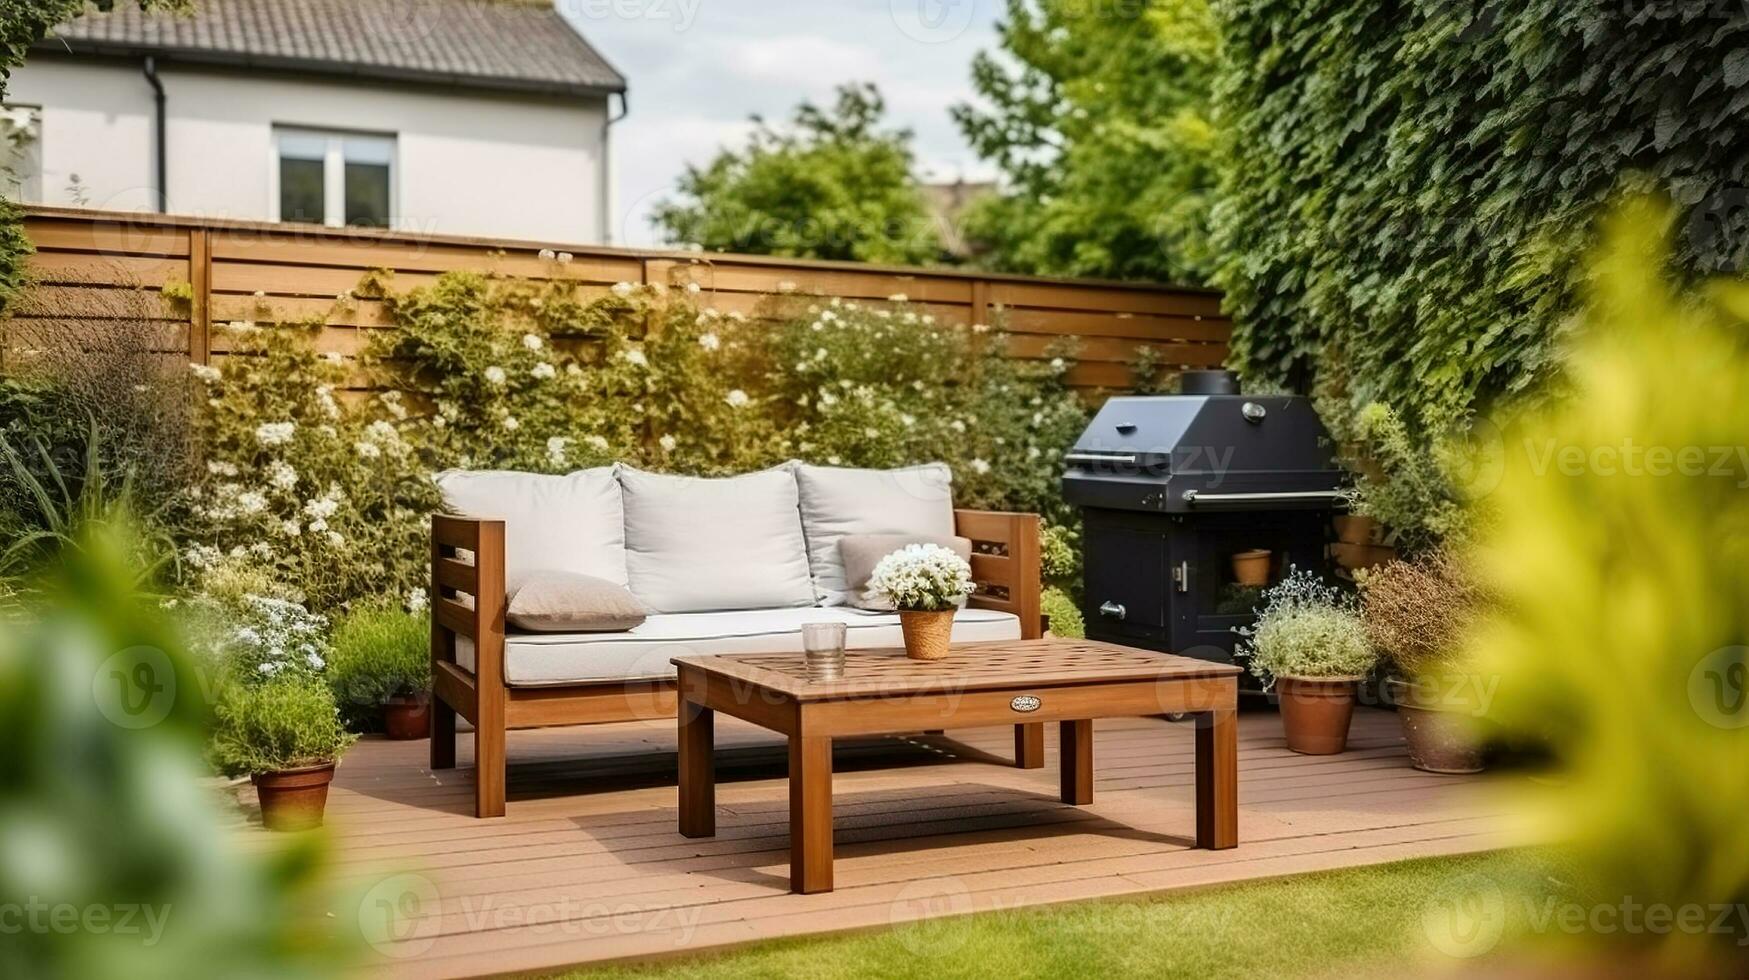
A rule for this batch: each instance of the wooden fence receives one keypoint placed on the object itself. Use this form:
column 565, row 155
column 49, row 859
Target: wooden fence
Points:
column 94, row 269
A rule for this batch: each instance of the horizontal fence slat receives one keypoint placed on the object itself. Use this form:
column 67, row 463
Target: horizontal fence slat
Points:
column 108, row 238
column 102, row 267
column 316, row 250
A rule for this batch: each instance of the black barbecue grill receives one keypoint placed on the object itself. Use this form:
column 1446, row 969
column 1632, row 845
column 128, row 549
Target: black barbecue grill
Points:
column 1172, row 486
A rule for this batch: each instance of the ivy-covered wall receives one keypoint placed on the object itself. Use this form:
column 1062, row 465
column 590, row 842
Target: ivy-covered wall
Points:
column 1411, row 187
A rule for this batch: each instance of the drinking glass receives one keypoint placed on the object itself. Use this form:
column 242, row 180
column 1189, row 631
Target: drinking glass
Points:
column 823, row 650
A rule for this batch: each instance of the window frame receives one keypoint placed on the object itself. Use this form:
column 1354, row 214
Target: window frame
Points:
column 334, row 171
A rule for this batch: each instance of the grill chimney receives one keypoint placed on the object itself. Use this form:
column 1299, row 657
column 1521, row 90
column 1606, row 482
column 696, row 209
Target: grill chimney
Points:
column 1208, row 383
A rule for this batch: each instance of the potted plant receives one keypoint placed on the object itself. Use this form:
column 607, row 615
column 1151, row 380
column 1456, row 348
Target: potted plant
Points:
column 1416, row 613
column 1251, row 568
column 379, row 668
column 286, row 736
column 1309, row 645
column 927, row 584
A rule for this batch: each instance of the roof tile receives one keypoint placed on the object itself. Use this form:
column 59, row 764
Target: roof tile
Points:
column 516, row 44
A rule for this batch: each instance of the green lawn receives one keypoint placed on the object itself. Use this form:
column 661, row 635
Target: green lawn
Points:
column 1295, row 927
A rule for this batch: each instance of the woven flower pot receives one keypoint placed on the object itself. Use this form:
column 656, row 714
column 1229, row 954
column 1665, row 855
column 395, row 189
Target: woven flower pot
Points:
column 927, row 633
column 295, row 798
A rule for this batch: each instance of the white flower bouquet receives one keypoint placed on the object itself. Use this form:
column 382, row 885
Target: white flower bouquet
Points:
column 922, row 578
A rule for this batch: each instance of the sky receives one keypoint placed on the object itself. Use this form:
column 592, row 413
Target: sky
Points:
column 697, row 69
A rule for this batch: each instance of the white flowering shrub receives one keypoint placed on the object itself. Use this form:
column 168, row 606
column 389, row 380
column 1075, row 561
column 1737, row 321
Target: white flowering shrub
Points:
column 1307, row 628
column 330, row 501
column 860, row 384
column 330, row 495
column 260, row 639
column 924, row 577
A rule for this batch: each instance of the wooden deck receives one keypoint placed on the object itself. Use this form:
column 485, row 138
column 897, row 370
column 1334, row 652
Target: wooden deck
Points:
column 588, row 865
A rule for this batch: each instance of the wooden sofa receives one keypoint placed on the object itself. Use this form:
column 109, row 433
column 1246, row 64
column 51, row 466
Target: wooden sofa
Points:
column 1005, row 564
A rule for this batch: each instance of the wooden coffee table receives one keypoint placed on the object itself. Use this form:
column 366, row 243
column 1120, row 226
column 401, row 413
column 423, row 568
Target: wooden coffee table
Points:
column 1009, row 682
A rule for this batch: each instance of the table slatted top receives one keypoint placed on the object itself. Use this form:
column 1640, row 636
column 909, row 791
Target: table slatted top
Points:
column 993, row 665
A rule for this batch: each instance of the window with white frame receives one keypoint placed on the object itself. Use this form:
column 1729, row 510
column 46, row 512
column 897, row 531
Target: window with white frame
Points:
column 334, row 179
column 21, row 156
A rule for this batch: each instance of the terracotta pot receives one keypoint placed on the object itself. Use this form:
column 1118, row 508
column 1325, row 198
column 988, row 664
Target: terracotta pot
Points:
column 1251, row 567
column 1354, row 529
column 407, row 718
column 1316, row 711
column 1357, row 556
column 927, row 633
column 293, row 799
column 1439, row 734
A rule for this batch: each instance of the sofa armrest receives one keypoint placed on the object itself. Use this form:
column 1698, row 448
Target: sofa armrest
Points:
column 482, row 619
column 1005, row 563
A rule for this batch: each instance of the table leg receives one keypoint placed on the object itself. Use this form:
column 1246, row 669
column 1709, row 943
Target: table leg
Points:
column 810, row 814
column 698, row 776
column 1217, row 779
column 1029, row 746
column 1075, row 745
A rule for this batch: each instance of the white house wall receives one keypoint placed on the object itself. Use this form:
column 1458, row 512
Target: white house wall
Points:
column 465, row 162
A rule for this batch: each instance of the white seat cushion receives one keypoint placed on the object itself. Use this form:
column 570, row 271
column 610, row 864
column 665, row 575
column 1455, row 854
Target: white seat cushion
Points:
column 697, row 545
column 915, row 500
column 549, row 659
column 573, row 523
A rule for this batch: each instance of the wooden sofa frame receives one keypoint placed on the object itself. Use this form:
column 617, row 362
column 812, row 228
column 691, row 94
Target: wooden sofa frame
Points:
column 1005, row 563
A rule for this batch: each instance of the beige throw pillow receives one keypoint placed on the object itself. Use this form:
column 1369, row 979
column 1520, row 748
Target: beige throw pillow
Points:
column 566, row 602
column 862, row 552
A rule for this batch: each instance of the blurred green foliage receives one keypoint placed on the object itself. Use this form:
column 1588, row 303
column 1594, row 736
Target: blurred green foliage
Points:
column 117, row 858
column 1620, row 553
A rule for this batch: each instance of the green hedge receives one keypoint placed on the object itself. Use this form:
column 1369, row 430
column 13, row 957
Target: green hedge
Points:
column 1412, row 186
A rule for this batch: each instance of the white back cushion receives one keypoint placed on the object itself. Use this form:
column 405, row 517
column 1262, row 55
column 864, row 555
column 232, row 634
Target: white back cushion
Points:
column 696, row 545
column 572, row 523
column 916, row 500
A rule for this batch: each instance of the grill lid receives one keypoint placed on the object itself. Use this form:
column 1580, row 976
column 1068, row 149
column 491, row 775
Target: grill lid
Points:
column 1183, row 452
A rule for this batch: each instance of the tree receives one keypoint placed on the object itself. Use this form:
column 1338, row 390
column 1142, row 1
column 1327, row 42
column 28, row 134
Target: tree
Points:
column 22, row 24
column 832, row 185
column 1097, row 122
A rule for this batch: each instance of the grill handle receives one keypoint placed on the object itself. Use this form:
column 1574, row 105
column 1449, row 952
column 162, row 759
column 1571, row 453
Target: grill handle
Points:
column 1112, row 610
column 1129, row 460
column 1194, row 497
